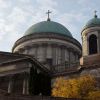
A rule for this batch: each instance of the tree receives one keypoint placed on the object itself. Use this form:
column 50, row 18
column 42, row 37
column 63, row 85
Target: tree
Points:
column 94, row 95
column 65, row 88
column 73, row 88
column 86, row 84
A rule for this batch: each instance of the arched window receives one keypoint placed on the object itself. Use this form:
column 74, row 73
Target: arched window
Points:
column 92, row 44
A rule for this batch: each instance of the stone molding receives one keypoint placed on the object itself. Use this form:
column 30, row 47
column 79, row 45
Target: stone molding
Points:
column 46, row 35
column 88, row 30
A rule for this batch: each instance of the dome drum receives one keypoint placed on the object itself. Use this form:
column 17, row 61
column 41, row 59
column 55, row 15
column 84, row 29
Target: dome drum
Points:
column 54, row 49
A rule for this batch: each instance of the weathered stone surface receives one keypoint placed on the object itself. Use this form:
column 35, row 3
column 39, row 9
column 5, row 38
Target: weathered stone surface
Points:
column 90, row 60
column 23, row 97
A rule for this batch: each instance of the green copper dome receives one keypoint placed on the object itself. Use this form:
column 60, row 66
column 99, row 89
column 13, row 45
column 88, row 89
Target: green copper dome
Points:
column 93, row 22
column 48, row 26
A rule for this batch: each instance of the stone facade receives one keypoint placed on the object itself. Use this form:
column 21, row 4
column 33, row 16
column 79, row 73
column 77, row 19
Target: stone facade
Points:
column 15, row 72
column 91, row 48
column 39, row 58
column 25, row 97
column 49, row 48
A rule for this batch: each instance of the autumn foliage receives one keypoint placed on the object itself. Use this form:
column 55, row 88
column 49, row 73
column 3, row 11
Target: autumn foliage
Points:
column 82, row 87
column 94, row 95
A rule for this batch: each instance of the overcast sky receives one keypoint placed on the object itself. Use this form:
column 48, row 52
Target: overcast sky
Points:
column 16, row 16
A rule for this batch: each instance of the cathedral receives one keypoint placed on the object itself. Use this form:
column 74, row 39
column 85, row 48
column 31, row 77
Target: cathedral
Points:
column 46, row 51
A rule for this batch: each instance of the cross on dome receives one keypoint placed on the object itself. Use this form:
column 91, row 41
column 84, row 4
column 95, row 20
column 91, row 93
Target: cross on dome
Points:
column 48, row 13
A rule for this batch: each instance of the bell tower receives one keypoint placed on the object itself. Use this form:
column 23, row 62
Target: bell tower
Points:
column 91, row 37
column 91, row 42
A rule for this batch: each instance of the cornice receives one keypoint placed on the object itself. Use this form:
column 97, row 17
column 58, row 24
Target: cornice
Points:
column 46, row 35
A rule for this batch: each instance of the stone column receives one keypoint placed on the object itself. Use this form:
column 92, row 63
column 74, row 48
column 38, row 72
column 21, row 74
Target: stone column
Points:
column 44, row 53
column 36, row 51
column 69, row 59
column 49, row 51
column 54, row 53
column 75, row 56
column 84, row 45
column 41, row 52
column 10, row 84
column 25, row 83
column 63, row 54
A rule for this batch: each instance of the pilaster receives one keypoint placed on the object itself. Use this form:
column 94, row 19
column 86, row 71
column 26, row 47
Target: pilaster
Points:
column 26, row 83
column 10, row 84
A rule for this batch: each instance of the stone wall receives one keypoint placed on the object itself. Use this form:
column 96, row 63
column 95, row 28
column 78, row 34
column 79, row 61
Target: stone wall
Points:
column 33, row 98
